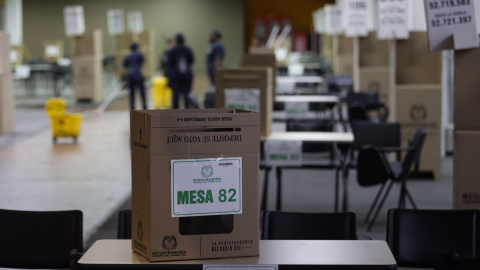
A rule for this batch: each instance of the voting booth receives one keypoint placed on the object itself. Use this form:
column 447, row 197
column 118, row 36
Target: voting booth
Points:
column 7, row 103
column 343, row 62
column 52, row 50
column 419, row 97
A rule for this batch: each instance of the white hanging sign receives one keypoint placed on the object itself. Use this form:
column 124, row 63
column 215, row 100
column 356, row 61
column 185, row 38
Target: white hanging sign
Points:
column 355, row 12
column 204, row 187
column 116, row 22
column 319, row 21
column 74, row 21
column 392, row 19
column 135, row 21
column 244, row 99
column 333, row 20
column 283, row 153
column 451, row 24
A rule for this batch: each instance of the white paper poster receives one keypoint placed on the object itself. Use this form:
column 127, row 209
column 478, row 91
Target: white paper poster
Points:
column 135, row 21
column 283, row 153
column 392, row 19
column 74, row 21
column 244, row 99
column 355, row 12
column 204, row 187
column 451, row 24
column 319, row 21
column 116, row 22
column 333, row 20
column 52, row 51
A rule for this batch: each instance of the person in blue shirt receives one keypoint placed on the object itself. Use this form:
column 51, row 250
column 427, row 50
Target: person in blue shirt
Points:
column 132, row 68
column 180, row 75
column 215, row 55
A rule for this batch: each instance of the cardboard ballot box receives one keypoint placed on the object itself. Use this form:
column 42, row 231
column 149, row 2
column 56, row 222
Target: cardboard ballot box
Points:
column 466, row 165
column 263, row 60
column 376, row 79
column 246, row 88
column 195, row 183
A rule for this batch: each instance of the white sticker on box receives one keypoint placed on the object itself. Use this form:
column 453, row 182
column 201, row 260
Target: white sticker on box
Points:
column 116, row 24
column 205, row 187
column 297, row 109
column 355, row 12
column 244, row 99
column 52, row 51
column 283, row 153
column 333, row 19
column 451, row 24
column 74, row 21
column 392, row 19
column 238, row 266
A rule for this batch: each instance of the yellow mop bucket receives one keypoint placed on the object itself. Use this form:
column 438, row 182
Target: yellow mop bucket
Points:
column 162, row 94
column 66, row 125
column 55, row 106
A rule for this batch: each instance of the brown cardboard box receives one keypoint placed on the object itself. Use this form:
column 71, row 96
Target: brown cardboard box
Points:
column 247, row 78
column 421, row 106
column 88, row 78
column 373, row 51
column 467, row 86
column 88, row 44
column 262, row 60
column 376, row 79
column 326, row 48
column 344, row 64
column 146, row 40
column 159, row 139
column 415, row 64
column 52, row 44
column 466, row 167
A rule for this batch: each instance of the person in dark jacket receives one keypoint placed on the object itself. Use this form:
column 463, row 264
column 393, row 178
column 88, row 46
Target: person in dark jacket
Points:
column 215, row 55
column 133, row 74
column 180, row 60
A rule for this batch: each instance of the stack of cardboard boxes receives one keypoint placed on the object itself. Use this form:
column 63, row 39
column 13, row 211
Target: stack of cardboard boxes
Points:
column 146, row 40
column 466, row 190
column 246, row 88
column 419, row 97
column 7, row 103
column 343, row 62
column 373, row 72
column 263, row 60
column 87, row 67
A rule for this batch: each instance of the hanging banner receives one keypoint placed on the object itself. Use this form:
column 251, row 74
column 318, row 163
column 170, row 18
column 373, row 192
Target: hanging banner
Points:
column 451, row 24
column 116, row 25
column 392, row 19
column 355, row 12
column 74, row 21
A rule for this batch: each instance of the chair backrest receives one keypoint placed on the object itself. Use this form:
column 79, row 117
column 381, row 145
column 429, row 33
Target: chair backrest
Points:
column 418, row 237
column 124, row 229
column 309, row 226
column 357, row 112
column 377, row 134
column 372, row 167
column 413, row 155
column 319, row 125
column 364, row 98
column 41, row 240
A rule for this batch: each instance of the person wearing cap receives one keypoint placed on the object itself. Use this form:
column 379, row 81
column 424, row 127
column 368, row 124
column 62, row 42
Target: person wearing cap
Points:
column 132, row 70
column 215, row 55
column 180, row 75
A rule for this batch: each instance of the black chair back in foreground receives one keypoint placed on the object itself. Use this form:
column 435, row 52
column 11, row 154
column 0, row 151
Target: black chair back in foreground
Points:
column 309, row 226
column 418, row 237
column 40, row 240
column 124, row 229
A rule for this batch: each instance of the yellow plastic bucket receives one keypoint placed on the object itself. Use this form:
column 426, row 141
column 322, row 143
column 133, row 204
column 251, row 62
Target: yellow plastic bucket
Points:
column 162, row 94
column 66, row 125
column 55, row 106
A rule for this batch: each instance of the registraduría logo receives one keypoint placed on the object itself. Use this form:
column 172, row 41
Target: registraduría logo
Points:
column 207, row 171
column 169, row 242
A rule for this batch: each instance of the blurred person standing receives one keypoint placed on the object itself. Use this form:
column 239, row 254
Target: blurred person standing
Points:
column 180, row 75
column 215, row 55
column 133, row 74
column 164, row 59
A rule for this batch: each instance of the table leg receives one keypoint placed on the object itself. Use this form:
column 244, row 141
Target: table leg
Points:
column 279, row 189
column 265, row 189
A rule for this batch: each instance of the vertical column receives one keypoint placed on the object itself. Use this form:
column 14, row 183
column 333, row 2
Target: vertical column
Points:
column 7, row 103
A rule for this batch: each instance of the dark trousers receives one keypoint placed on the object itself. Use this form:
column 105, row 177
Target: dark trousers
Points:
column 211, row 75
column 137, row 84
column 181, row 87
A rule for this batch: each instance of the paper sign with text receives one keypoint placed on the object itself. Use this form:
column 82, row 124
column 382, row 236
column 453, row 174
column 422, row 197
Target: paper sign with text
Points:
column 52, row 51
column 333, row 20
column 135, row 21
column 244, row 99
column 116, row 22
column 319, row 21
column 451, row 24
column 392, row 19
column 204, row 187
column 283, row 153
column 355, row 12
column 238, row 267
column 74, row 21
